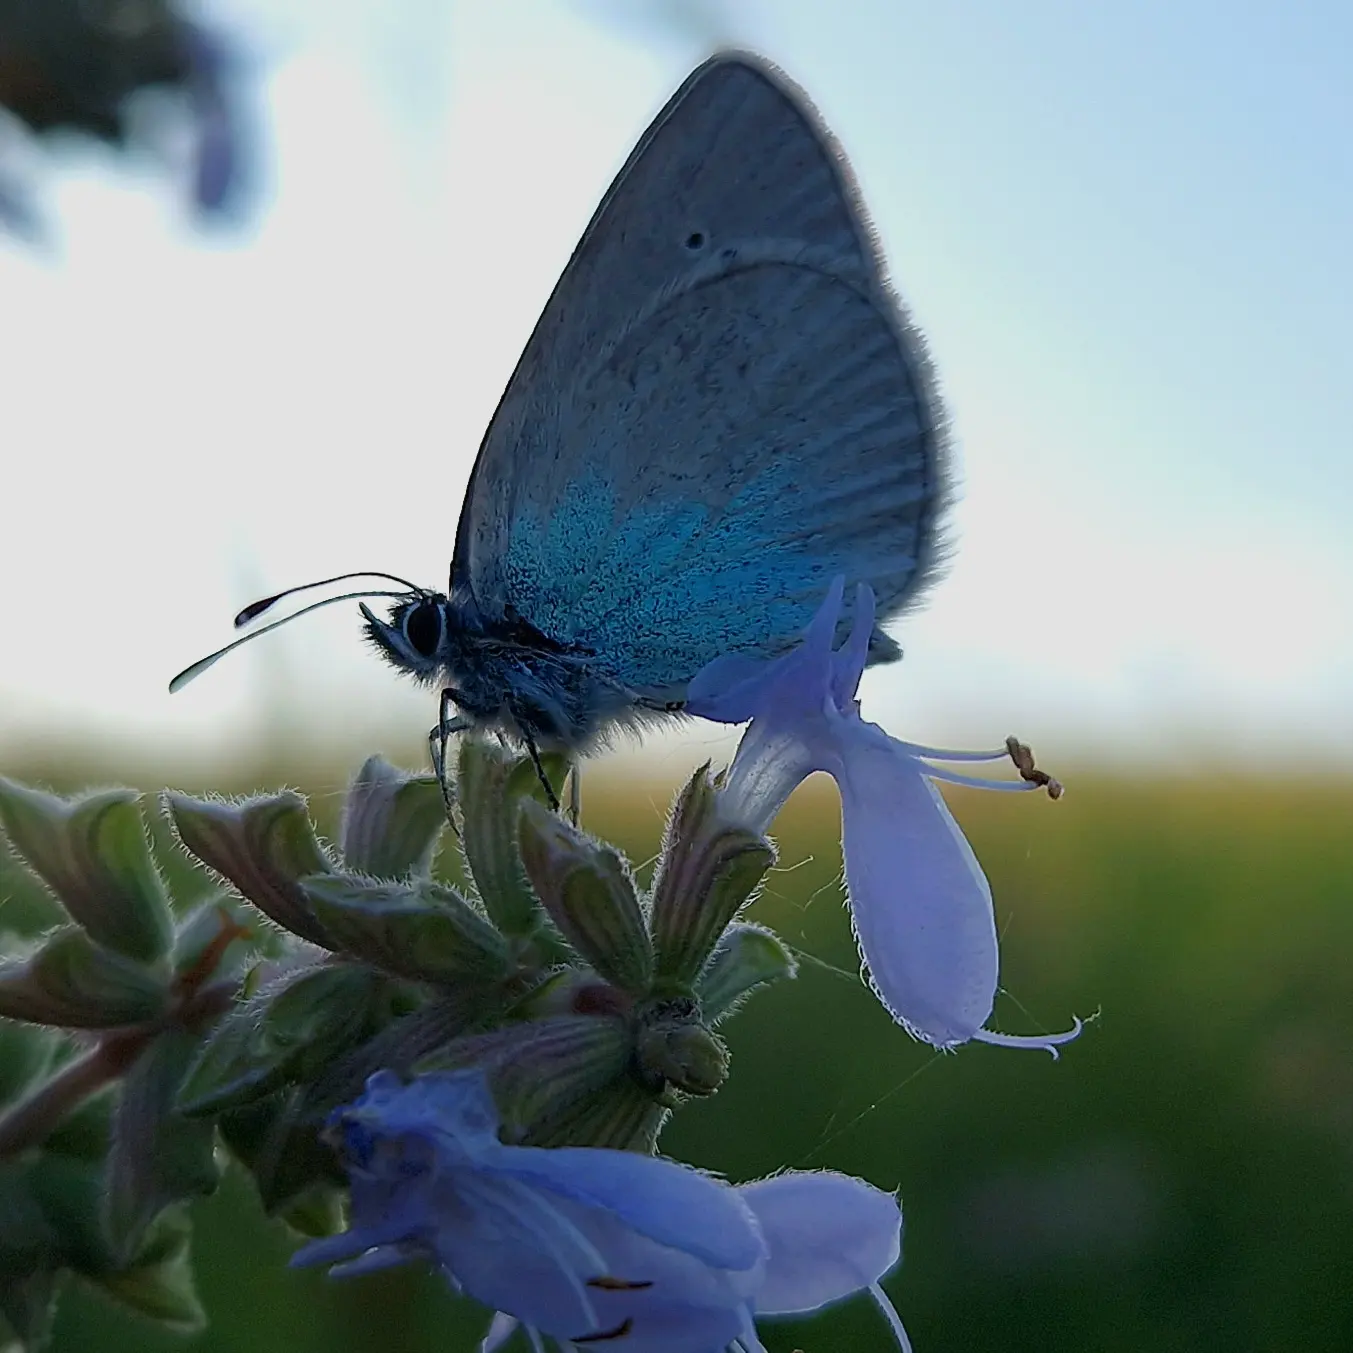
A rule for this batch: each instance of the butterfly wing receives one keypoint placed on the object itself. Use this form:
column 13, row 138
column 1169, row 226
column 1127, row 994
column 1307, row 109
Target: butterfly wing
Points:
column 721, row 408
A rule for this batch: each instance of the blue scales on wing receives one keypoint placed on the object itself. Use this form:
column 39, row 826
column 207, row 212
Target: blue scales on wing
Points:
column 721, row 408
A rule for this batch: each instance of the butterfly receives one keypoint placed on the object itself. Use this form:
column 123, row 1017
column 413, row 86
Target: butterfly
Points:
column 722, row 408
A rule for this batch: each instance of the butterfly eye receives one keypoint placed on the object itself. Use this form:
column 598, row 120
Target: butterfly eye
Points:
column 423, row 625
column 696, row 241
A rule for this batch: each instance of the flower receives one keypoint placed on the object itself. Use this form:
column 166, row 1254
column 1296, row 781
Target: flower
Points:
column 66, row 65
column 920, row 904
column 587, row 1244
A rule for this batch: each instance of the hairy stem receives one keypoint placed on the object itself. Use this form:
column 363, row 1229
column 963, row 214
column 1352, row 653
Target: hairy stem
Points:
column 32, row 1119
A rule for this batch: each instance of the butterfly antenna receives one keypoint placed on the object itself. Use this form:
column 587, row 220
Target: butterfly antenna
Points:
column 256, row 608
column 193, row 672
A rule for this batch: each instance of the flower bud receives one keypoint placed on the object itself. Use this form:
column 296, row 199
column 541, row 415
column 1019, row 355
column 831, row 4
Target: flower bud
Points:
column 290, row 1030
column 492, row 785
column 706, row 874
column 391, row 821
column 71, row 982
column 93, row 854
column 675, row 1049
column 264, row 846
column 587, row 890
column 423, row 930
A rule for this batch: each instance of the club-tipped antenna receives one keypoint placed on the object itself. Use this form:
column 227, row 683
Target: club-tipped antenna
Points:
column 196, row 669
column 256, row 608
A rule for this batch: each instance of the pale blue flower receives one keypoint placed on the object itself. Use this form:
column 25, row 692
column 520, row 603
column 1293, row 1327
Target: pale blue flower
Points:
column 586, row 1244
column 919, row 902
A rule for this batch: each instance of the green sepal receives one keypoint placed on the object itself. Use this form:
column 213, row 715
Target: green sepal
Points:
column 159, row 1156
column 622, row 1116
column 403, row 1043
column 492, row 784
column 159, row 1282
column 542, row 1070
column 289, row 1030
column 421, row 930
column 316, row 1213
column 93, row 854
column 278, row 1140
column 747, row 957
column 706, row 874
column 263, row 846
column 72, row 982
column 589, row 894
column 391, row 821
column 26, row 1054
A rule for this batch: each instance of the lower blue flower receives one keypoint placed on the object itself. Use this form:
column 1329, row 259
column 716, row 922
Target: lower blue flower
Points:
column 584, row 1245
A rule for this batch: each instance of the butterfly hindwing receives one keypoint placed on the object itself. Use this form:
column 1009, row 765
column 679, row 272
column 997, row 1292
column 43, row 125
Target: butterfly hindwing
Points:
column 720, row 409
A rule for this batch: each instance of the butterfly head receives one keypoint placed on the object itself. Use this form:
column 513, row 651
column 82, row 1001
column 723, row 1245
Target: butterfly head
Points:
column 414, row 638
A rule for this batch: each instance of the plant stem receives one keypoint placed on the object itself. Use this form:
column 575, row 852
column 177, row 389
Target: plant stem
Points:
column 30, row 1121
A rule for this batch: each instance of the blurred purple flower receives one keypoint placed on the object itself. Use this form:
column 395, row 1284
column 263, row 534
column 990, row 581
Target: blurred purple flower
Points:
column 919, row 902
column 218, row 126
column 585, row 1244
column 69, row 66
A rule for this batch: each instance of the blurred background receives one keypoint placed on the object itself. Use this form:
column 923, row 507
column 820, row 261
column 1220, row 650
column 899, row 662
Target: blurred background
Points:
column 265, row 266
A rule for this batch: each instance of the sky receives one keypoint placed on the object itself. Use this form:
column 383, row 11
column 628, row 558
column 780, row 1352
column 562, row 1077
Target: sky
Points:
column 1123, row 228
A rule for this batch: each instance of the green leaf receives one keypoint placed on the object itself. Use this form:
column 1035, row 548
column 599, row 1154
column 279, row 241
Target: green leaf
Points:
column 747, row 957
column 159, row 1282
column 93, row 854
column 424, row 930
column 492, row 785
column 262, row 846
column 158, row 1155
column 73, row 983
column 391, row 821
column 589, row 894
column 706, row 874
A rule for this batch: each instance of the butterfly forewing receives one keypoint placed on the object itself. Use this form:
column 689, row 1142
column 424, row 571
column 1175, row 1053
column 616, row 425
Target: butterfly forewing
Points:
column 720, row 409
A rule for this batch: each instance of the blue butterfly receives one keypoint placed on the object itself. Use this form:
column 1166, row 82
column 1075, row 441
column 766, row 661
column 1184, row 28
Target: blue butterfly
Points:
column 722, row 408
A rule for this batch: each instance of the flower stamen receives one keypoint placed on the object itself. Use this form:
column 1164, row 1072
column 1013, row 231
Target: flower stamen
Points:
column 1023, row 757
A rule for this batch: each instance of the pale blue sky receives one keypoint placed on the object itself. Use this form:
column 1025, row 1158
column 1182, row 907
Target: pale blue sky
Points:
column 1123, row 227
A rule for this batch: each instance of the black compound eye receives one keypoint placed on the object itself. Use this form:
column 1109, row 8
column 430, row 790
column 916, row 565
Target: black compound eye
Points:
column 422, row 626
column 696, row 241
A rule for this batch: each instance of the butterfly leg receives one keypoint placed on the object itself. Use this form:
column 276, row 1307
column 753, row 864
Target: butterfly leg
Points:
column 438, row 737
column 575, row 793
column 551, row 797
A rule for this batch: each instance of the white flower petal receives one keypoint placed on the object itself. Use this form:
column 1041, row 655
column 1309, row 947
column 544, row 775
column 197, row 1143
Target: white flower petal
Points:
column 920, row 904
column 830, row 1237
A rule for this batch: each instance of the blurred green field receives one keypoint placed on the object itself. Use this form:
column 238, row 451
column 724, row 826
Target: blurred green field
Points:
column 1181, row 1180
